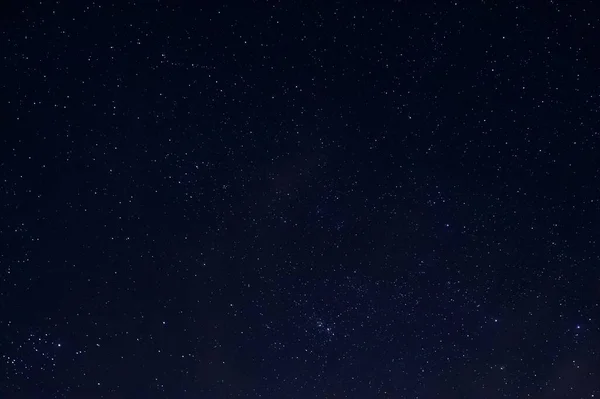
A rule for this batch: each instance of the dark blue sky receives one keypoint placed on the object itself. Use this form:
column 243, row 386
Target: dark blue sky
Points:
column 300, row 200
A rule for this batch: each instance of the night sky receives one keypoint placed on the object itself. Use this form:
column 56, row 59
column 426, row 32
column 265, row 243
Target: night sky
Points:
column 300, row 199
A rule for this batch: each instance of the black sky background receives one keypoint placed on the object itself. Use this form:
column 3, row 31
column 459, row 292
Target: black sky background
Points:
column 299, row 200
